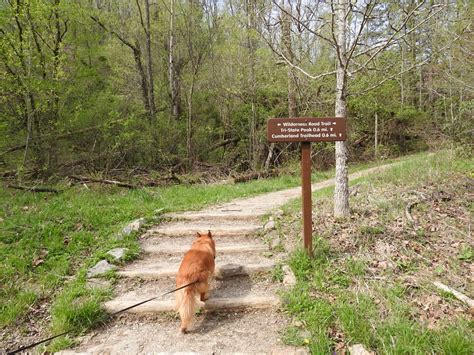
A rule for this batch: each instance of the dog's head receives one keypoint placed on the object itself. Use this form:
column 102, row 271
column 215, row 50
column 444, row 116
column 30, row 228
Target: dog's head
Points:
column 206, row 238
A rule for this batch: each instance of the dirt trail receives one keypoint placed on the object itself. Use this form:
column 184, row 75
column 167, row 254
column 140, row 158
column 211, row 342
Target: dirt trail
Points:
column 242, row 314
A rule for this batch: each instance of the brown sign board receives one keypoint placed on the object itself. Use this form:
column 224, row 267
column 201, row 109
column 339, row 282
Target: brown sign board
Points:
column 306, row 129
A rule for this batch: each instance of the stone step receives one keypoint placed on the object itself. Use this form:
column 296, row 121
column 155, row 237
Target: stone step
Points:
column 134, row 290
column 249, row 257
column 249, row 331
column 238, row 292
column 235, row 303
column 157, row 271
column 217, row 213
column 174, row 245
column 217, row 228
column 178, row 249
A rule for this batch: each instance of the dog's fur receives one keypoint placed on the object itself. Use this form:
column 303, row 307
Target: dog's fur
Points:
column 197, row 265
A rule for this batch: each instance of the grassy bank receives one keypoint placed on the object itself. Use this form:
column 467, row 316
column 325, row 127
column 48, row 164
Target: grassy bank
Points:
column 371, row 279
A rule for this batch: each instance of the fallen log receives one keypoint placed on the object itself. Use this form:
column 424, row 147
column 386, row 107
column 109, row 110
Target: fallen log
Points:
column 33, row 188
column 173, row 178
column 9, row 173
column 224, row 143
column 58, row 136
column 255, row 175
column 460, row 296
column 103, row 181
column 150, row 183
column 69, row 164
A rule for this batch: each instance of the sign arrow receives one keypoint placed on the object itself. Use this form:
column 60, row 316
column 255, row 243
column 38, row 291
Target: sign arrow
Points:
column 334, row 123
column 278, row 124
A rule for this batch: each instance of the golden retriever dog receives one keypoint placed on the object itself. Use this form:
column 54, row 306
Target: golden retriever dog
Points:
column 197, row 266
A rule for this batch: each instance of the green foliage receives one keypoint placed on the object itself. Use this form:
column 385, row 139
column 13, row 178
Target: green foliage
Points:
column 277, row 273
column 229, row 80
column 78, row 308
column 14, row 303
column 466, row 253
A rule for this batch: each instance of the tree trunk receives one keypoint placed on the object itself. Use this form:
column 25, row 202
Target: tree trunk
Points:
column 144, row 82
column 376, row 136
column 341, row 191
column 173, row 82
column 54, row 115
column 137, row 55
column 402, row 87
column 287, row 49
column 251, row 48
column 151, row 88
column 29, row 126
column 189, row 124
column 271, row 151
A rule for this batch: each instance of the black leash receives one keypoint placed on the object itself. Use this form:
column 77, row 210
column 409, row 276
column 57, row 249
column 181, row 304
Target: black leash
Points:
column 29, row 346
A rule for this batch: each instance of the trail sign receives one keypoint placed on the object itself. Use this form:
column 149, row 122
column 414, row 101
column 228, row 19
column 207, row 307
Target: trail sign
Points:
column 306, row 130
column 309, row 129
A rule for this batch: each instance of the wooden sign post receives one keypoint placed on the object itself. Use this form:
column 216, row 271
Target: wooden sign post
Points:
column 306, row 130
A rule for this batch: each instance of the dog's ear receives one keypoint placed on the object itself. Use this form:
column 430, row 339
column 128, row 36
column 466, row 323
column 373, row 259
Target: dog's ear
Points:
column 198, row 235
column 209, row 234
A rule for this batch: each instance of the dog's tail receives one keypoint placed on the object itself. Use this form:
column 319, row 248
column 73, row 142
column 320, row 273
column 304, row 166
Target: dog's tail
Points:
column 186, row 306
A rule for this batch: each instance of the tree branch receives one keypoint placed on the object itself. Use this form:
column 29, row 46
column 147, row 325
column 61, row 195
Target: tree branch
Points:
column 294, row 66
column 123, row 40
column 317, row 34
column 365, row 18
column 60, row 136
column 333, row 33
column 390, row 78
column 33, row 188
column 314, row 77
column 392, row 38
column 103, row 181
column 141, row 16
column 403, row 71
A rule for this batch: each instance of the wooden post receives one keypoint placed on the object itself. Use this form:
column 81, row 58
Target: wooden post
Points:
column 307, row 130
column 306, row 197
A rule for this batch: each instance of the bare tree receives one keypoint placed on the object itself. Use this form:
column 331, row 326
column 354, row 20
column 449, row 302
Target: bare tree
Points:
column 196, row 50
column 173, row 73
column 341, row 190
column 146, row 25
column 36, row 37
column 286, row 48
column 137, row 55
column 251, row 26
column 358, row 34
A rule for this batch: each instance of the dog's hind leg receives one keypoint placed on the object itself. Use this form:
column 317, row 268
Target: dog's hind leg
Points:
column 187, row 309
column 203, row 289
